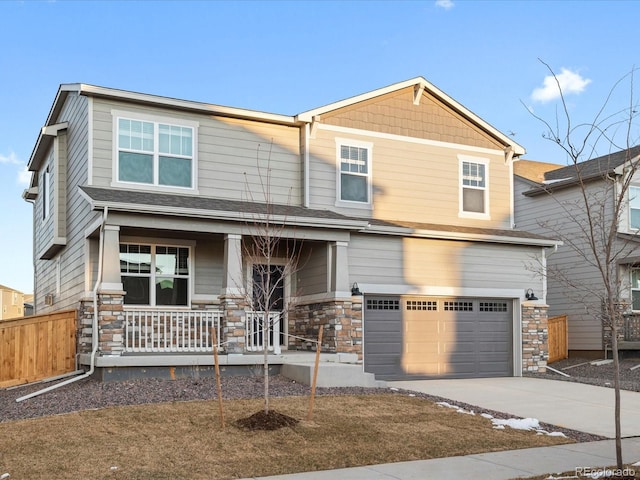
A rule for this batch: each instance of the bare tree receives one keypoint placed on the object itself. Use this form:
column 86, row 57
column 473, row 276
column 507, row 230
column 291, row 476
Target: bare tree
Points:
column 591, row 221
column 273, row 256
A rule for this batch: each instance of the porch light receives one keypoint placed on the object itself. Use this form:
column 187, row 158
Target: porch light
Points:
column 355, row 290
column 530, row 295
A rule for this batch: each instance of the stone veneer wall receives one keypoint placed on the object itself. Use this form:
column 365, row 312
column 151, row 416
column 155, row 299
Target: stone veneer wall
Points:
column 233, row 323
column 342, row 320
column 110, row 324
column 535, row 337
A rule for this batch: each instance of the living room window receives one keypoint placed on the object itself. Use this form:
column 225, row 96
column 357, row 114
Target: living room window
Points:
column 155, row 275
column 354, row 172
column 157, row 153
column 473, row 186
column 634, row 207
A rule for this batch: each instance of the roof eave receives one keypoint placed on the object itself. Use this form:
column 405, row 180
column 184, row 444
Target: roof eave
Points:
column 340, row 224
column 188, row 105
column 476, row 237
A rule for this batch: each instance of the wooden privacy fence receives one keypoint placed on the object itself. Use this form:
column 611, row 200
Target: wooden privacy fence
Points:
column 38, row 347
column 558, row 338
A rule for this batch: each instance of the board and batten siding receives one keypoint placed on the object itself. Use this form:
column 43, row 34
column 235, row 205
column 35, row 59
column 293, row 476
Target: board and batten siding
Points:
column 237, row 159
column 64, row 275
column 585, row 330
column 419, row 262
column 411, row 182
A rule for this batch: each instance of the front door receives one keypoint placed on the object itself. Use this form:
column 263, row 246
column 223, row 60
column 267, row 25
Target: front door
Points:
column 268, row 295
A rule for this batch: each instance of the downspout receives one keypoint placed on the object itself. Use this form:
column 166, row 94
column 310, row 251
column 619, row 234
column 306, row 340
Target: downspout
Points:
column 94, row 335
column 306, row 165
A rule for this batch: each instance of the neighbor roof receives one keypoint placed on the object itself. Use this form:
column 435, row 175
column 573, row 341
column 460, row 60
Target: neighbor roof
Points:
column 589, row 170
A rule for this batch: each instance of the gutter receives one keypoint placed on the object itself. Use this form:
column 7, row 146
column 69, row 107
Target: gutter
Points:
column 94, row 336
column 448, row 235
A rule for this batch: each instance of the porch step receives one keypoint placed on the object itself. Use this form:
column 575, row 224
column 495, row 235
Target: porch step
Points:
column 331, row 375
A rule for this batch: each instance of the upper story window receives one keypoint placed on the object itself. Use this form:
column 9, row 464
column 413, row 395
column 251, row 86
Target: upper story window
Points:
column 473, row 187
column 634, row 207
column 155, row 152
column 155, row 274
column 354, row 171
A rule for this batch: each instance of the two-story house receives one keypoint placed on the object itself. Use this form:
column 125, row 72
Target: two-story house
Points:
column 11, row 303
column 399, row 203
column 550, row 200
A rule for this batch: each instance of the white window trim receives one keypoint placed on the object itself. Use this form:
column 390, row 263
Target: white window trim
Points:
column 152, row 291
column 360, row 144
column 630, row 228
column 155, row 119
column 46, row 194
column 479, row 160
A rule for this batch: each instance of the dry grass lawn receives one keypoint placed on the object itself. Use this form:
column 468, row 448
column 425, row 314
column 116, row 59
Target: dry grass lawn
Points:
column 183, row 440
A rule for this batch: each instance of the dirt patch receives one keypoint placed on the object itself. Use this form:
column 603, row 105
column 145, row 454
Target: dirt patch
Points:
column 270, row 420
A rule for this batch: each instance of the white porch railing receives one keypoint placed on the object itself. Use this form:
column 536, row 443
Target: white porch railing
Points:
column 169, row 331
column 254, row 332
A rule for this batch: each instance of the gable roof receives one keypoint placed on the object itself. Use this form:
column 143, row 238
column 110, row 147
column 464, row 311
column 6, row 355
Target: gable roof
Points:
column 420, row 85
column 587, row 171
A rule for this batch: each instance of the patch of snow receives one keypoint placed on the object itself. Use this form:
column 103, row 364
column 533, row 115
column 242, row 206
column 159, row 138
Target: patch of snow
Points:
column 519, row 423
column 637, row 464
column 394, row 389
column 486, row 415
column 4, row 475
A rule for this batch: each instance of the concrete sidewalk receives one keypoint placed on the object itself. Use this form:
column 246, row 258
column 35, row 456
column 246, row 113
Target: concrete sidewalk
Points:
column 488, row 466
column 577, row 406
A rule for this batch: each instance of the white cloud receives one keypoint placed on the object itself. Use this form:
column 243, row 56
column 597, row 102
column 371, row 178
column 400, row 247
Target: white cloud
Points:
column 11, row 159
column 446, row 4
column 24, row 176
column 568, row 81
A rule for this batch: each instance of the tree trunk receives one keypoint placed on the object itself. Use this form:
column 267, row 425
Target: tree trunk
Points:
column 616, row 385
column 265, row 346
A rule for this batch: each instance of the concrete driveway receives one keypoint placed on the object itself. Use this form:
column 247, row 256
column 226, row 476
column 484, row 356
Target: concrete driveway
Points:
column 577, row 406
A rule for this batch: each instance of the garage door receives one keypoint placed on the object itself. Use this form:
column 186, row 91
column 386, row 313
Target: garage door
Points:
column 437, row 337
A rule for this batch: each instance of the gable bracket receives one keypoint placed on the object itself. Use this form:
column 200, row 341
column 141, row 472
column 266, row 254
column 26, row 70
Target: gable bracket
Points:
column 314, row 126
column 418, row 90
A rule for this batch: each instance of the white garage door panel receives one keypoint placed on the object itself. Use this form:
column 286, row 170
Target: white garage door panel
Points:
column 431, row 337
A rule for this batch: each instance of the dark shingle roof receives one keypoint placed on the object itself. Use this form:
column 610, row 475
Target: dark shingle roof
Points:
column 192, row 202
column 183, row 203
column 595, row 167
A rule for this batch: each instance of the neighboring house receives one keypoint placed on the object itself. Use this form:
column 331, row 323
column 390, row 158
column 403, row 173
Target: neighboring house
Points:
column 28, row 305
column 400, row 202
column 547, row 195
column 11, row 303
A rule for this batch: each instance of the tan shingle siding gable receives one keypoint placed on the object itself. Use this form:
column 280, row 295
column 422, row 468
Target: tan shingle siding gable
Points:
column 395, row 113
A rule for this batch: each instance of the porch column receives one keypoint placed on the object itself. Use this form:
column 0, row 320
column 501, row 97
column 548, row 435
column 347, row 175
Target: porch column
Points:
column 232, row 297
column 340, row 269
column 111, row 279
column 232, row 282
column 535, row 337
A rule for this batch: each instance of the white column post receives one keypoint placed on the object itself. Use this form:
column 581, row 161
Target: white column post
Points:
column 111, row 279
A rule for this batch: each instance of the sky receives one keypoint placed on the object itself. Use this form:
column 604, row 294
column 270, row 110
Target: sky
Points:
column 494, row 57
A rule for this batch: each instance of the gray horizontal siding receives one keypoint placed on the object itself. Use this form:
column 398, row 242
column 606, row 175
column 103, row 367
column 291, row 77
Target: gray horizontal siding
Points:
column 439, row 263
column 235, row 157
